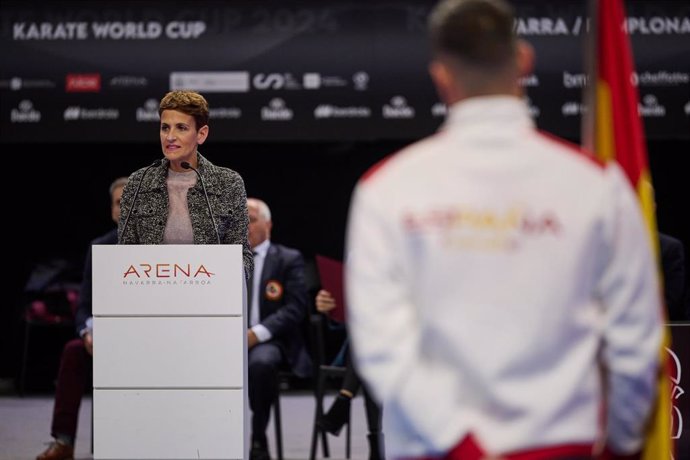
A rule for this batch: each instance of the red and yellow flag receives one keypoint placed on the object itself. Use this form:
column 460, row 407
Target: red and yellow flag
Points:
column 615, row 132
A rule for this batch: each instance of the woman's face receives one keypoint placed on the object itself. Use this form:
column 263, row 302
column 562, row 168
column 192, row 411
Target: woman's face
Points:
column 180, row 137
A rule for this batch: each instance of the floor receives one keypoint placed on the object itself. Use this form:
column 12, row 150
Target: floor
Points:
column 25, row 428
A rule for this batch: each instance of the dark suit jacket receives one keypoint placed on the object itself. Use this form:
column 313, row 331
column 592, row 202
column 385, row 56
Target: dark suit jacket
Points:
column 673, row 264
column 283, row 304
column 85, row 301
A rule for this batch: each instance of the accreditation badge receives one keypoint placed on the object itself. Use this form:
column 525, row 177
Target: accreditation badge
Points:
column 274, row 290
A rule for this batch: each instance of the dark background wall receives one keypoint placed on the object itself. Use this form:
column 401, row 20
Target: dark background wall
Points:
column 58, row 199
column 57, row 171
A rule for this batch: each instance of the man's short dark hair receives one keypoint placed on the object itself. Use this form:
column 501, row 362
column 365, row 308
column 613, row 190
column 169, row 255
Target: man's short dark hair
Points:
column 478, row 33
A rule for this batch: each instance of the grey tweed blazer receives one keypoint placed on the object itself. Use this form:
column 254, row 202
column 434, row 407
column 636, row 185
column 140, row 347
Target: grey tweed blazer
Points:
column 226, row 193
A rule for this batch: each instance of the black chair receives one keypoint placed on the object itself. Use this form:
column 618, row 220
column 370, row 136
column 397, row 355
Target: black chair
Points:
column 324, row 374
column 49, row 302
column 282, row 382
column 48, row 316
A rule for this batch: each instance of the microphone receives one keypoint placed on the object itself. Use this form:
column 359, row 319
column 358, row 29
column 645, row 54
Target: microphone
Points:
column 186, row 165
column 136, row 194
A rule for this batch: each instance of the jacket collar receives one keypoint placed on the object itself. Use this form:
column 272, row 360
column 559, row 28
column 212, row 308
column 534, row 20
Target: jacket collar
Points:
column 486, row 112
column 156, row 179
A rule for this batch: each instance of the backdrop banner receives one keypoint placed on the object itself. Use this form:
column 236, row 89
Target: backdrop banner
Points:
column 680, row 363
column 77, row 71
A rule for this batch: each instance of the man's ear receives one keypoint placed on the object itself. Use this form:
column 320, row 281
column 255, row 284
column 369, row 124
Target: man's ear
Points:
column 443, row 80
column 525, row 58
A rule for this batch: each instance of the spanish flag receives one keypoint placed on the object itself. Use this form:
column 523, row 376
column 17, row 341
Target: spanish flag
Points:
column 614, row 131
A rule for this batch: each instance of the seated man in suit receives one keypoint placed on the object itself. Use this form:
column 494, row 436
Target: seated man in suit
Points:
column 277, row 305
column 75, row 364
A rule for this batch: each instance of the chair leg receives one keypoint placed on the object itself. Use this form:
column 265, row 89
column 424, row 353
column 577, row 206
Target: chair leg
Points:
column 318, row 410
column 348, row 440
column 318, row 413
column 25, row 360
column 92, row 422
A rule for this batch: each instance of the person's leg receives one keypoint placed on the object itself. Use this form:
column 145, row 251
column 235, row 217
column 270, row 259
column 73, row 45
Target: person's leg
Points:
column 75, row 366
column 375, row 436
column 264, row 361
column 339, row 412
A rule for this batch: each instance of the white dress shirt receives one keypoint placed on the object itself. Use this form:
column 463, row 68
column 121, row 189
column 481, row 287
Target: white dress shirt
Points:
column 261, row 332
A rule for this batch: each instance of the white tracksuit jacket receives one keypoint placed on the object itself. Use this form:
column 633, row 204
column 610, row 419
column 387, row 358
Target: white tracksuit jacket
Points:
column 487, row 266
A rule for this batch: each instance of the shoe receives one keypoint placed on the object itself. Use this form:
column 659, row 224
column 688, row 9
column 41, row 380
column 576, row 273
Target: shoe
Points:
column 259, row 451
column 376, row 450
column 338, row 415
column 57, row 451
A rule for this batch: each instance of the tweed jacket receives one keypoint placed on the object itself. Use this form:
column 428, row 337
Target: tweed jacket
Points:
column 149, row 215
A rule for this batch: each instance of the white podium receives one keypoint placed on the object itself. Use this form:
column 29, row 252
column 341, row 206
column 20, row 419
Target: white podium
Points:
column 169, row 369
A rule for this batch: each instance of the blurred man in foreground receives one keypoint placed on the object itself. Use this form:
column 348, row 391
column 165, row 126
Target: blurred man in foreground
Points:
column 500, row 281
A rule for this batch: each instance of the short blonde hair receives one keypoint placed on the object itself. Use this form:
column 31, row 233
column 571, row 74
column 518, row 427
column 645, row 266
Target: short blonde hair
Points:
column 189, row 102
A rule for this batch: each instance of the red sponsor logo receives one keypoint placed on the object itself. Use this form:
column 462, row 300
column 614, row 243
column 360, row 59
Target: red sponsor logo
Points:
column 83, row 83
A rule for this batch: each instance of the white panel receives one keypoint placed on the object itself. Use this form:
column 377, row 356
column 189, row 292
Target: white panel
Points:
column 168, row 424
column 169, row 352
column 167, row 280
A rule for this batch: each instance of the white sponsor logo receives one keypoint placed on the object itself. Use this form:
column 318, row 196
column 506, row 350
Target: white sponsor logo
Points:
column 397, row 108
column 332, row 81
column 17, row 83
column 574, row 80
column 676, row 392
column 533, row 110
column 264, row 81
column 658, row 25
column 311, row 80
column 660, row 78
column 276, row 111
column 572, row 108
column 82, row 113
column 332, row 111
column 270, row 81
column 211, row 82
column 149, row 112
column 25, row 113
column 650, row 107
column 225, row 113
column 124, row 81
column 530, row 81
column 361, row 81
column 439, row 109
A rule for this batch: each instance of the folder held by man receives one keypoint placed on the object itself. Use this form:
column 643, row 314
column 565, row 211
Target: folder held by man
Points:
column 331, row 274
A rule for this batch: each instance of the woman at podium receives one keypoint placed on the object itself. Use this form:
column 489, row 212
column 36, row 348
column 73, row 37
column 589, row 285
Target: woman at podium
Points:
column 184, row 198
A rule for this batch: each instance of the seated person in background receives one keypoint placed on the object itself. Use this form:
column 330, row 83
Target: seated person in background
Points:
column 277, row 305
column 338, row 414
column 75, row 364
column 673, row 265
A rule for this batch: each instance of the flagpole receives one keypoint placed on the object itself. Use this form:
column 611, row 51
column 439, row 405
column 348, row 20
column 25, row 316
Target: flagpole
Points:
column 589, row 108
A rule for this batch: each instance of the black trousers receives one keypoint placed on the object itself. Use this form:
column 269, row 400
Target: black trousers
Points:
column 264, row 362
